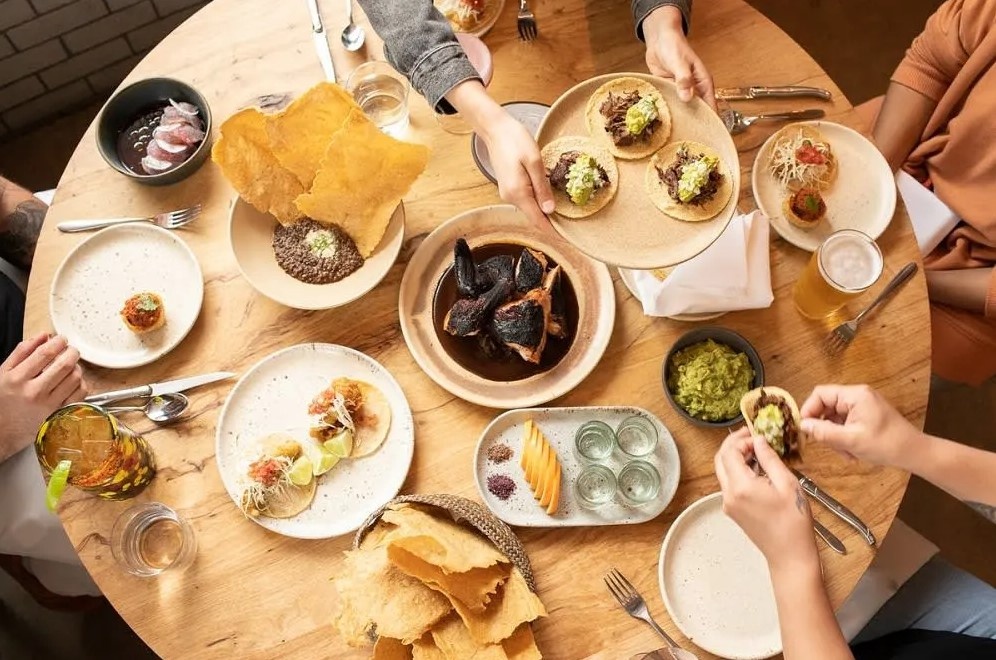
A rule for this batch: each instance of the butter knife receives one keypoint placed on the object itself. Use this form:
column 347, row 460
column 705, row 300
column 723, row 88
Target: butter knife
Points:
column 157, row 389
column 759, row 92
column 321, row 43
column 829, row 537
column 835, row 507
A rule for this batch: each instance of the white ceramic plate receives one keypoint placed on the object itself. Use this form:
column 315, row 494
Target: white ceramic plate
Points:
column 627, row 277
column 101, row 273
column 715, row 584
column 863, row 197
column 273, row 397
column 559, row 426
column 251, row 237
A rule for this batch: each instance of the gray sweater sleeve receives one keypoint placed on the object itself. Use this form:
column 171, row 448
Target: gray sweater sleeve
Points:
column 643, row 7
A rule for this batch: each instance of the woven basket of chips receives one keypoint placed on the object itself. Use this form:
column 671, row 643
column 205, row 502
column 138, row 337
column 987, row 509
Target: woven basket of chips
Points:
column 466, row 512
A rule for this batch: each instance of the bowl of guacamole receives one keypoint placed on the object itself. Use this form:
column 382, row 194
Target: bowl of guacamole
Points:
column 707, row 372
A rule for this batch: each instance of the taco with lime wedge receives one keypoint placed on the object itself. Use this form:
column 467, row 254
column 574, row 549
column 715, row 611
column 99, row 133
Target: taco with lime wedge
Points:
column 583, row 175
column 279, row 483
column 352, row 408
column 689, row 181
column 630, row 117
column 773, row 414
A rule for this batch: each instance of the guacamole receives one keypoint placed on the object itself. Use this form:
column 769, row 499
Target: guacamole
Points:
column 583, row 178
column 694, row 175
column 708, row 380
column 640, row 114
column 770, row 424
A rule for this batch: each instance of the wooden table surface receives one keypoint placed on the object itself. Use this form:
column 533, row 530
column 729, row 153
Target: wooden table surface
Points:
column 252, row 593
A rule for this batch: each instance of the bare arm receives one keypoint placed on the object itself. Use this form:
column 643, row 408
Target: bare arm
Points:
column 805, row 618
column 964, row 472
column 900, row 123
column 21, row 216
column 965, row 289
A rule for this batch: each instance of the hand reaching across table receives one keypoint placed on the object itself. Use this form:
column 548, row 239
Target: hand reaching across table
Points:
column 669, row 55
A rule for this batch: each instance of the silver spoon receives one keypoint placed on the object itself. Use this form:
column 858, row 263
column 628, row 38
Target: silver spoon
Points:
column 737, row 122
column 160, row 409
column 353, row 35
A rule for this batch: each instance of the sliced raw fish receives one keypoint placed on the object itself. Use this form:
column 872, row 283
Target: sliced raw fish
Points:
column 154, row 165
column 156, row 150
column 187, row 134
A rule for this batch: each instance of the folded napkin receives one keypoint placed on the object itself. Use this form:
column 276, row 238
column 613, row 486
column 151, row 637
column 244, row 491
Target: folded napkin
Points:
column 932, row 219
column 733, row 273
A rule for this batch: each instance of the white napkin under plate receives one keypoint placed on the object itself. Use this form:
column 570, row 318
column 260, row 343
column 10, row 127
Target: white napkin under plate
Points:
column 733, row 273
column 932, row 219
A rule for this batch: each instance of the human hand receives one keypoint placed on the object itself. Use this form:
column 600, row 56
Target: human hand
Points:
column 771, row 509
column 858, row 422
column 519, row 168
column 669, row 55
column 41, row 375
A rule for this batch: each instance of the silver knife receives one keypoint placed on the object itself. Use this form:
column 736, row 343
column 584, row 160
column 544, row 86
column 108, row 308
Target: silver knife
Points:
column 835, row 507
column 156, row 389
column 831, row 539
column 759, row 92
column 321, row 43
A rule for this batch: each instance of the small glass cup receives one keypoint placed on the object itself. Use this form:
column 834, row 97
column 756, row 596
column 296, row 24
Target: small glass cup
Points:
column 151, row 538
column 594, row 440
column 639, row 482
column 108, row 459
column 480, row 58
column 382, row 93
column 636, row 436
column 845, row 265
column 595, row 486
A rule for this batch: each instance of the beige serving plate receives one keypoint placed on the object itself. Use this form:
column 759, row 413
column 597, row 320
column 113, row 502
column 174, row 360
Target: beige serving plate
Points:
column 504, row 224
column 631, row 232
column 251, row 237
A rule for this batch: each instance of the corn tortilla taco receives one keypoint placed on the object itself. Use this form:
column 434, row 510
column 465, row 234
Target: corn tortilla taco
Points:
column 559, row 158
column 772, row 413
column 269, row 491
column 709, row 184
column 373, row 421
column 610, row 119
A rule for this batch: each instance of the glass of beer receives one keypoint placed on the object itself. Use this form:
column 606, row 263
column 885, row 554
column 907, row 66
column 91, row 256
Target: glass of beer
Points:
column 845, row 264
column 382, row 94
column 107, row 458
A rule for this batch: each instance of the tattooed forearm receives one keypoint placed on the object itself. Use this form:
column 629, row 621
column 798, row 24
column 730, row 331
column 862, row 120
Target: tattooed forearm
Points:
column 19, row 232
column 801, row 502
column 987, row 511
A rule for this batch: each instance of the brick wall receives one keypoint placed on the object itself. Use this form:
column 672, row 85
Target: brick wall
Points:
column 57, row 55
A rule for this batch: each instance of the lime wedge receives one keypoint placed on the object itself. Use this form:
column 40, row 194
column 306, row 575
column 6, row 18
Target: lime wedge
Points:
column 341, row 444
column 57, row 484
column 300, row 473
column 326, row 461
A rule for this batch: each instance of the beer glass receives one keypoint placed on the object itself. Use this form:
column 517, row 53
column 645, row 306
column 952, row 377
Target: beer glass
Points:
column 845, row 265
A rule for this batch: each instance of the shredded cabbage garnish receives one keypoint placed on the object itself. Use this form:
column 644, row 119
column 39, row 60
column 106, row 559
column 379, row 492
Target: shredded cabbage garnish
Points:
column 787, row 168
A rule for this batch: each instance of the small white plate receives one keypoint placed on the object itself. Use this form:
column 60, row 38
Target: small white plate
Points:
column 627, row 277
column 101, row 273
column 863, row 196
column 559, row 426
column 492, row 12
column 715, row 584
column 273, row 397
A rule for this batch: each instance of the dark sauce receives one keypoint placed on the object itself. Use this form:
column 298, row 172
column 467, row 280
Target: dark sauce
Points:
column 134, row 140
column 507, row 365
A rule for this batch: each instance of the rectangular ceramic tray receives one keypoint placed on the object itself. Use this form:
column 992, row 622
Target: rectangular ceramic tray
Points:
column 559, row 426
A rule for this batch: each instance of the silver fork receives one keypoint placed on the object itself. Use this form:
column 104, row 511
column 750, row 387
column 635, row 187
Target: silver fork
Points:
column 636, row 607
column 526, row 22
column 844, row 334
column 171, row 220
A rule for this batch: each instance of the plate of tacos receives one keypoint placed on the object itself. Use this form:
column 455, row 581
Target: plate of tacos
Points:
column 641, row 180
column 313, row 439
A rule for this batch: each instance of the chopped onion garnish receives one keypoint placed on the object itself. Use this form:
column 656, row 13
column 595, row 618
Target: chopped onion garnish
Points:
column 184, row 108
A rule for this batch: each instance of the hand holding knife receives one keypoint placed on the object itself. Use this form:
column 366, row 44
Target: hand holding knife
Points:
column 157, row 389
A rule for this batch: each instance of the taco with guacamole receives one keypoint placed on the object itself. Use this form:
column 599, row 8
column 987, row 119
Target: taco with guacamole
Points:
column 582, row 173
column 689, row 181
column 352, row 408
column 630, row 117
column 772, row 413
column 280, row 482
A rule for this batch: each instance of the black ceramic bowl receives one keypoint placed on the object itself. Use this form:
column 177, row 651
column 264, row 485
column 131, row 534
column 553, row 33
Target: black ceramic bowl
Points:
column 136, row 99
column 720, row 336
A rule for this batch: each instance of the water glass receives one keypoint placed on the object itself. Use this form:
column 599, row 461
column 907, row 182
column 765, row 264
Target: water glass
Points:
column 636, row 436
column 639, row 482
column 595, row 440
column 382, row 93
column 595, row 486
column 151, row 538
column 846, row 264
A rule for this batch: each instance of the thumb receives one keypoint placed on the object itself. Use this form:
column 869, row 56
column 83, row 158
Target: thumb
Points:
column 772, row 464
column 541, row 185
column 822, row 430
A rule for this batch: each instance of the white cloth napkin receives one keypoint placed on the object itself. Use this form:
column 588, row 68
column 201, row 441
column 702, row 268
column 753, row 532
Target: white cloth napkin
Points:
column 733, row 273
column 932, row 219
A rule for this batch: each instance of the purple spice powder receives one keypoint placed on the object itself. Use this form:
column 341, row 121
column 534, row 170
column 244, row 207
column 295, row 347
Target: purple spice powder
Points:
column 501, row 486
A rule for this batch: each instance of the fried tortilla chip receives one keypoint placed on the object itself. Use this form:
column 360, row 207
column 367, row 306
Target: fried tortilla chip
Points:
column 244, row 156
column 388, row 648
column 454, row 640
column 440, row 542
column 425, row 648
column 472, row 588
column 377, row 536
column 300, row 134
column 363, row 176
column 522, row 645
column 372, row 591
column 514, row 605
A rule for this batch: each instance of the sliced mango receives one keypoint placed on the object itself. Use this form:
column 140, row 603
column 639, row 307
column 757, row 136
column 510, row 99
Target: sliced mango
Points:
column 541, row 466
column 555, row 497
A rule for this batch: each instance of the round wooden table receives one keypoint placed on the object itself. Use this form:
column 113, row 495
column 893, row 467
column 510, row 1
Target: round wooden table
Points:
column 252, row 593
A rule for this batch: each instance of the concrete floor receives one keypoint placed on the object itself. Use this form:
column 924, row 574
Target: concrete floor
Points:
column 859, row 44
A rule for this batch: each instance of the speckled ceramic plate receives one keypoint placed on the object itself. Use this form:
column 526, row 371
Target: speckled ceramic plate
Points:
column 251, row 237
column 273, row 397
column 716, row 586
column 631, row 231
column 626, row 276
column 559, row 426
column 101, row 273
column 504, row 224
column 863, row 197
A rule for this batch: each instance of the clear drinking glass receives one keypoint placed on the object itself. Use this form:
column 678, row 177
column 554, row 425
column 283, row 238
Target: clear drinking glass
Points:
column 594, row 440
column 151, row 538
column 382, row 93
column 845, row 265
column 639, row 482
column 636, row 436
column 480, row 58
column 595, row 486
